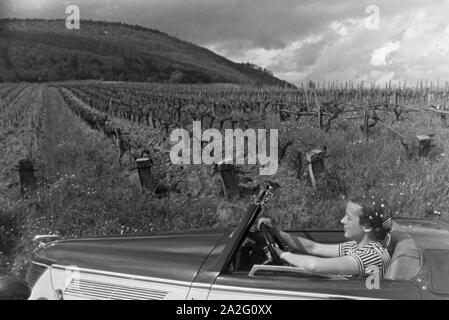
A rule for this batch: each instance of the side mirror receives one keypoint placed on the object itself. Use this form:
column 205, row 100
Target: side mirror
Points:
column 12, row 288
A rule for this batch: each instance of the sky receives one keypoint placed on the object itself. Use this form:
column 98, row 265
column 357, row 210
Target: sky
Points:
column 298, row 40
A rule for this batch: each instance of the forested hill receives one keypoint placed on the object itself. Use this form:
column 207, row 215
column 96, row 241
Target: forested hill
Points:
column 44, row 50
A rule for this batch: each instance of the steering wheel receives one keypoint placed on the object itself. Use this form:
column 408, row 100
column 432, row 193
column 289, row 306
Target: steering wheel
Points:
column 272, row 255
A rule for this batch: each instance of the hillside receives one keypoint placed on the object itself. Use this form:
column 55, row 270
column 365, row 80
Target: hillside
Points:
column 44, row 50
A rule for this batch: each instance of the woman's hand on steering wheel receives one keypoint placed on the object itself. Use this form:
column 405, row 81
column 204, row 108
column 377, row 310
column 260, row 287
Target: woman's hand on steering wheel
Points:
column 267, row 222
column 273, row 229
column 273, row 254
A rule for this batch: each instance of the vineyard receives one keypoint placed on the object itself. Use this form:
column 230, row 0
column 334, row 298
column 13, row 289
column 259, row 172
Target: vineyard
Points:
column 87, row 141
column 174, row 106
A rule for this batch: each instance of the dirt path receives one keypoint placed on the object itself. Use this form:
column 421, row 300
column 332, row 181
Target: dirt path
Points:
column 64, row 136
column 61, row 129
column 60, row 146
column 84, row 190
column 17, row 141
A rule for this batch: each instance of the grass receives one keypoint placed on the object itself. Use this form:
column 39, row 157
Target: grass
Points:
column 413, row 188
column 85, row 192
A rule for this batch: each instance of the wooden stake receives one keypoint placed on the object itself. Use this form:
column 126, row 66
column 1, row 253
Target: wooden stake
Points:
column 365, row 121
column 315, row 159
column 28, row 182
column 147, row 180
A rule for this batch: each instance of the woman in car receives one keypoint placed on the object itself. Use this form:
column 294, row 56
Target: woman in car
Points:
column 367, row 225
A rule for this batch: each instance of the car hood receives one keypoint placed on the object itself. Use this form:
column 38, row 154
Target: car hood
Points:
column 168, row 256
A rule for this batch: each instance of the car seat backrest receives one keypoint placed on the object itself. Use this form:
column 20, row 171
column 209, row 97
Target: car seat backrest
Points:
column 405, row 257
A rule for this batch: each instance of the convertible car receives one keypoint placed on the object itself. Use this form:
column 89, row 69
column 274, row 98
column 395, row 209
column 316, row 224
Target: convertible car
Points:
column 228, row 264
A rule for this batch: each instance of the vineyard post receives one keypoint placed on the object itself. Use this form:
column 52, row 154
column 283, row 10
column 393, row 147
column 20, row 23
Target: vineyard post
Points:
column 213, row 110
column 361, row 90
column 230, row 180
column 319, row 111
column 389, row 90
column 444, row 118
column 307, row 98
column 420, row 92
column 298, row 165
column 151, row 120
column 425, row 145
column 444, row 107
column 147, row 180
column 178, row 112
column 315, row 164
column 387, row 98
column 28, row 180
column 414, row 95
column 365, row 121
column 396, row 103
column 110, row 106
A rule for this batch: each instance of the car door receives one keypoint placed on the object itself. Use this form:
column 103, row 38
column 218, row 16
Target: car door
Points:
column 282, row 285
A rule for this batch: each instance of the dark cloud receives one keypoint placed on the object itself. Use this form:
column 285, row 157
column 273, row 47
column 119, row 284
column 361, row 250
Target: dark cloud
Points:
column 265, row 23
column 3, row 9
column 301, row 40
column 309, row 53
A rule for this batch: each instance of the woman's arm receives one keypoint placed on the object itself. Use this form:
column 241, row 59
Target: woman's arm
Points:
column 347, row 265
column 301, row 244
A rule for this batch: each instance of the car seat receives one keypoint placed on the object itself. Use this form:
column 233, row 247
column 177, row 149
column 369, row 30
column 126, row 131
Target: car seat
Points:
column 405, row 256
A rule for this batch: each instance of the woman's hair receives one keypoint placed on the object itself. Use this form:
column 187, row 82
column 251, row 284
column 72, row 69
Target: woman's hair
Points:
column 375, row 214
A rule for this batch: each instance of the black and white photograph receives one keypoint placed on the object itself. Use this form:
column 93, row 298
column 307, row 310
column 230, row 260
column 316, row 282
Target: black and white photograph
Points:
column 224, row 150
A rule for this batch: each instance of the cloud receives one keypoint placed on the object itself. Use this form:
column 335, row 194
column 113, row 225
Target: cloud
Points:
column 341, row 28
column 3, row 9
column 380, row 55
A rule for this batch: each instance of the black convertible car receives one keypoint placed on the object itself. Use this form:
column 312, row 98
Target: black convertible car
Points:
column 228, row 264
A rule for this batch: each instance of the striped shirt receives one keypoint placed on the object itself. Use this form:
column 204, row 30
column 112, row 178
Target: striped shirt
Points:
column 371, row 258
